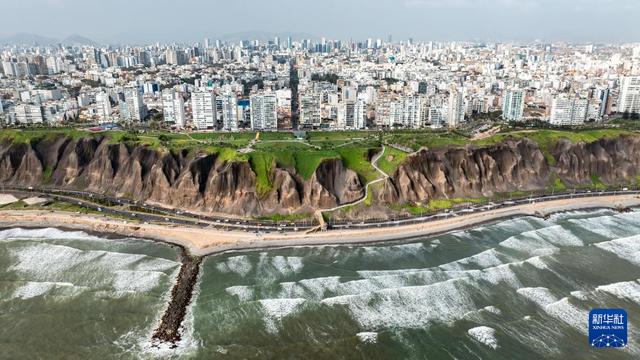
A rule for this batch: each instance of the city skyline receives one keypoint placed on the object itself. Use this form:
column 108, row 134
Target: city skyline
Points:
column 146, row 21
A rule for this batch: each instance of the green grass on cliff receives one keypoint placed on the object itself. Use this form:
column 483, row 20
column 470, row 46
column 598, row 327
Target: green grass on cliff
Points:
column 391, row 159
column 262, row 164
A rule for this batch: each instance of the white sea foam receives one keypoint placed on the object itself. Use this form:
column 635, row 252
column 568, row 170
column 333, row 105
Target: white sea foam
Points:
column 625, row 248
column 42, row 262
column 485, row 259
column 484, row 335
column 137, row 281
column 244, row 293
column 277, row 309
column 540, row 295
column 492, row 309
column 568, row 313
column 240, row 265
column 629, row 290
column 34, row 289
column 367, row 337
column 45, row 233
column 287, row 265
column 580, row 295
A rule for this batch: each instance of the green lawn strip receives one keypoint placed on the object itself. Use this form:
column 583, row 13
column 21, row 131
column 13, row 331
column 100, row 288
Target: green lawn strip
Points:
column 597, row 183
column 436, row 205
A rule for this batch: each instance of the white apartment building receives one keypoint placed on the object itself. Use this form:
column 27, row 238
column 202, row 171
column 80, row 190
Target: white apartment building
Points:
column 513, row 105
column 310, row 110
column 630, row 95
column 568, row 110
column 437, row 117
column 264, row 114
column 136, row 109
column 455, row 111
column 203, row 107
column 103, row 107
column 229, row 112
column 173, row 107
column 28, row 114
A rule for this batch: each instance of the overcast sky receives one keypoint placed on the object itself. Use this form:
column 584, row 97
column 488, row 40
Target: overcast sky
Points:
column 191, row 20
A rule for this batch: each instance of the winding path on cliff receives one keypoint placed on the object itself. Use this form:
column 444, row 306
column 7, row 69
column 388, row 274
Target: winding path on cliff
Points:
column 374, row 163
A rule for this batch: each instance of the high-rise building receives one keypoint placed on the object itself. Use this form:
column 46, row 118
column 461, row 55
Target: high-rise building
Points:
column 28, row 114
column 455, row 111
column 175, row 57
column 310, row 110
column 173, row 107
column 346, row 115
column 229, row 112
column 103, row 107
column 136, row 109
column 604, row 95
column 513, row 105
column 360, row 114
column 203, row 106
column 568, row 110
column 629, row 101
column 264, row 115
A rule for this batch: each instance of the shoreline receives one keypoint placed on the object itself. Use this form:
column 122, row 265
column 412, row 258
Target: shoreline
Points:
column 210, row 242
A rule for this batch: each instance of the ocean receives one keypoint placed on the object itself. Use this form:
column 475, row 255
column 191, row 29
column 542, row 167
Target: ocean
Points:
column 517, row 289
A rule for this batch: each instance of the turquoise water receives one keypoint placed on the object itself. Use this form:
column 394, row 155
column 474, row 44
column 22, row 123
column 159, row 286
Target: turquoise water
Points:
column 520, row 289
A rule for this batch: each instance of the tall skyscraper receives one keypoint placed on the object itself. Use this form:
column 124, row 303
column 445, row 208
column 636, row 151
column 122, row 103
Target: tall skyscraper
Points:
column 629, row 101
column 456, row 108
column 173, row 107
column 264, row 115
column 103, row 107
column 136, row 109
column 513, row 105
column 203, row 106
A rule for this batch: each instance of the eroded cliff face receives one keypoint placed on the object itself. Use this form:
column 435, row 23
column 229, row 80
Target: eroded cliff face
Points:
column 202, row 182
column 515, row 165
column 179, row 179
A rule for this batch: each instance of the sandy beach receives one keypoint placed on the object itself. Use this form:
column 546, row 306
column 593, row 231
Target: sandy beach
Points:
column 207, row 241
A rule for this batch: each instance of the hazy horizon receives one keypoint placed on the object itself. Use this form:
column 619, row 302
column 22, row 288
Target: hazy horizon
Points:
column 146, row 21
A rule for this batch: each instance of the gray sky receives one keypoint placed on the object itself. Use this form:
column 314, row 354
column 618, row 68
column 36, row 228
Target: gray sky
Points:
column 192, row 20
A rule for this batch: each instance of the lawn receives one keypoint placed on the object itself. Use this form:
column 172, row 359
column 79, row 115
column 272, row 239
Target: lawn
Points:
column 391, row 159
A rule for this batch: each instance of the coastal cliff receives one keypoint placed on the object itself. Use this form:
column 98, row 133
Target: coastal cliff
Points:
column 205, row 182
column 513, row 165
column 189, row 180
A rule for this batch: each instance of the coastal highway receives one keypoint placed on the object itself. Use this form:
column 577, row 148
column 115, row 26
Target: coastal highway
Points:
column 152, row 213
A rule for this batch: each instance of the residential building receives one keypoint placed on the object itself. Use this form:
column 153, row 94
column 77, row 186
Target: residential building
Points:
column 203, row 107
column 264, row 114
column 173, row 107
column 513, row 105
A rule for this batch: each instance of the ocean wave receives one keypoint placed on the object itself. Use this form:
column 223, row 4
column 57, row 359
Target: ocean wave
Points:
column 484, row 335
column 45, row 233
column 625, row 248
column 277, row 309
column 32, row 289
column 629, row 290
